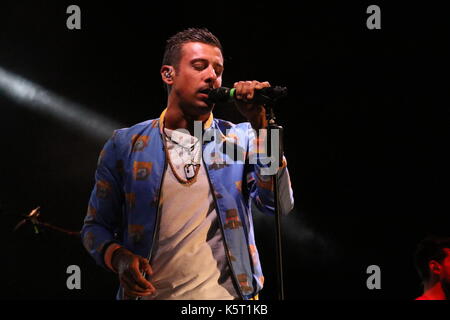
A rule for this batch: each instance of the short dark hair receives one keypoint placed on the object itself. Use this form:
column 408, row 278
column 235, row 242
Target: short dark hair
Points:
column 430, row 248
column 172, row 52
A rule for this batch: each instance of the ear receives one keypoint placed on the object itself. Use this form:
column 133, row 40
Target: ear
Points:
column 435, row 267
column 167, row 74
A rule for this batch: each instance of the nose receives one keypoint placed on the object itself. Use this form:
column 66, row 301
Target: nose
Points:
column 211, row 75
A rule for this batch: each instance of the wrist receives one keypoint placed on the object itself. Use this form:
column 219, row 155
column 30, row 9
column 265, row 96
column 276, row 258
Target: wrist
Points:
column 259, row 122
column 110, row 256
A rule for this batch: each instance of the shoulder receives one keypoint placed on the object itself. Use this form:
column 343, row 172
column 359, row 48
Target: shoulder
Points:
column 228, row 125
column 124, row 135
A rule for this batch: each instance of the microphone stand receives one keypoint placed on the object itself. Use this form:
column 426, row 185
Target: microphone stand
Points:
column 33, row 218
column 272, row 125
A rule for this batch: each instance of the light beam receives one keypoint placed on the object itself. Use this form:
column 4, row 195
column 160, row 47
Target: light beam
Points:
column 37, row 98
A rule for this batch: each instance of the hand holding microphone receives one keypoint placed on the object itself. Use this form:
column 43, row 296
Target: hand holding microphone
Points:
column 264, row 95
column 249, row 98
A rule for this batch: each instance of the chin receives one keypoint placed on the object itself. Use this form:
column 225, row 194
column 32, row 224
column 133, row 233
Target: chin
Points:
column 203, row 107
column 198, row 108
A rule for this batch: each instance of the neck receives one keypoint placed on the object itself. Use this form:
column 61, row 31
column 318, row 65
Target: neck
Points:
column 177, row 118
column 434, row 291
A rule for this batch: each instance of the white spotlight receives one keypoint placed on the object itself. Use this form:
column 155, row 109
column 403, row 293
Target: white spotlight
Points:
column 39, row 99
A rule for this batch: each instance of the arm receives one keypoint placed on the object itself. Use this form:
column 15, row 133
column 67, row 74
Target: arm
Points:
column 104, row 219
column 104, row 210
column 260, row 182
column 261, row 167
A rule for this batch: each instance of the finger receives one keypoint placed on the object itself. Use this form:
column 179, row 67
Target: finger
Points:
column 135, row 272
column 127, row 292
column 256, row 85
column 239, row 88
column 131, row 287
column 135, row 294
column 145, row 265
column 130, row 294
column 260, row 85
column 247, row 93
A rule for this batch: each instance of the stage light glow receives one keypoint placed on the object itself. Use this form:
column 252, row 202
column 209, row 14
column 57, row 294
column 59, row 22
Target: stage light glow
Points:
column 37, row 98
column 299, row 233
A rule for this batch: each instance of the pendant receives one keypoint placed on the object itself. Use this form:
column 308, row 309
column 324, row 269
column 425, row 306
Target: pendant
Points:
column 189, row 171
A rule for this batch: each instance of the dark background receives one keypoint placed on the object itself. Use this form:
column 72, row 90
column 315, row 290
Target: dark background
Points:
column 366, row 132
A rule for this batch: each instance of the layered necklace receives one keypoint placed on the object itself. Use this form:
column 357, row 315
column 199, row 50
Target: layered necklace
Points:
column 192, row 167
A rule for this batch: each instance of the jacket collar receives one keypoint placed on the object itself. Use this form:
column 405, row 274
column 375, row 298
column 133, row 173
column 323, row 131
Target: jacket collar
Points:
column 206, row 125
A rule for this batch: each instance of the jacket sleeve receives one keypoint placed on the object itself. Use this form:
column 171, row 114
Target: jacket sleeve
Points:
column 260, row 178
column 104, row 211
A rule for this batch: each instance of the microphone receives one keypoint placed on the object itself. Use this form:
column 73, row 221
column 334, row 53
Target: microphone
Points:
column 264, row 95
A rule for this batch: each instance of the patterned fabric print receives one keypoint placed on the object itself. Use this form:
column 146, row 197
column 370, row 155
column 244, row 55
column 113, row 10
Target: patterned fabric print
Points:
column 232, row 219
column 258, row 150
column 143, row 178
column 103, row 189
column 233, row 211
column 90, row 215
column 239, row 185
column 216, row 161
column 102, row 246
column 139, row 142
column 101, row 156
column 253, row 254
column 227, row 124
column 233, row 152
column 135, row 232
column 141, row 170
column 260, row 144
column 243, row 282
column 251, row 156
column 232, row 137
column 218, row 166
column 88, row 241
column 264, row 182
column 232, row 257
column 91, row 211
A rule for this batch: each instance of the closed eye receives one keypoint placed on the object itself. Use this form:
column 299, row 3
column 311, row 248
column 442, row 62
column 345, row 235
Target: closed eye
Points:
column 199, row 65
column 202, row 64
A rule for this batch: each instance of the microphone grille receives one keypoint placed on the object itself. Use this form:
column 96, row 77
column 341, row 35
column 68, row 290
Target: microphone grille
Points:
column 219, row 95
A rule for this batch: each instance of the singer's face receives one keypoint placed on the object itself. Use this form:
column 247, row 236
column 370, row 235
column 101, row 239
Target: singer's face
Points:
column 200, row 68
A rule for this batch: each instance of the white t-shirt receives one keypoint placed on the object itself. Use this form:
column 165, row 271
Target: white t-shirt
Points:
column 188, row 259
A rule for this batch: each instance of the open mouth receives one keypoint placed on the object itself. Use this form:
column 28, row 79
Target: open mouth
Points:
column 205, row 91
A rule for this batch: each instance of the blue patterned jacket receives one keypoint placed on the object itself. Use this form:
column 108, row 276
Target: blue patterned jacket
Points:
column 123, row 207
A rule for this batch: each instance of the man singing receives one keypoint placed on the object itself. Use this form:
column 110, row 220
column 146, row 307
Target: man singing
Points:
column 170, row 212
column 432, row 259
